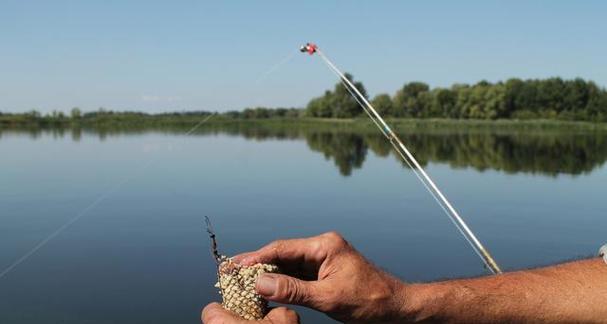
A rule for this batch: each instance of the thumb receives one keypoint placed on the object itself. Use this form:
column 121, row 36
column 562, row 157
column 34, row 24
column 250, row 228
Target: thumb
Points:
column 286, row 290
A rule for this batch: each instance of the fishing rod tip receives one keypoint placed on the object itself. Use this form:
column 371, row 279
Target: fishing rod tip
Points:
column 309, row 48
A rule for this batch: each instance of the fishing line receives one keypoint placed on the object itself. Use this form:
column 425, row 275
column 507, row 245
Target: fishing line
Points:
column 406, row 155
column 88, row 208
column 275, row 67
column 256, row 98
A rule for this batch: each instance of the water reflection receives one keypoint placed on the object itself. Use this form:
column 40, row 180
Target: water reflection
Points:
column 548, row 154
column 348, row 150
column 538, row 152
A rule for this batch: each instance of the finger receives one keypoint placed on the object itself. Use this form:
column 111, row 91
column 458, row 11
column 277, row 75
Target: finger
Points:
column 277, row 251
column 216, row 314
column 282, row 315
column 286, row 251
column 288, row 290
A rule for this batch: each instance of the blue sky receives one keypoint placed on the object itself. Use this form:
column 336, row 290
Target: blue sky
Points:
column 184, row 55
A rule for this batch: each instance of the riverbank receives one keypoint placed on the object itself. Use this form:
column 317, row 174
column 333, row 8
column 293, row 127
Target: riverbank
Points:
column 177, row 123
column 454, row 124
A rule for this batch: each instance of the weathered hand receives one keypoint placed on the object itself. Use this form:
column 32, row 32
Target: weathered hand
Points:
column 215, row 314
column 326, row 273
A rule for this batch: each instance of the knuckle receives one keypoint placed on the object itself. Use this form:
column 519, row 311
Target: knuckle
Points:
column 271, row 251
column 290, row 290
column 334, row 239
column 280, row 243
column 277, row 245
column 332, row 235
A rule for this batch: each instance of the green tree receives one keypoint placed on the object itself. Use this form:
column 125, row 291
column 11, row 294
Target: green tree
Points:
column 383, row 104
column 444, row 103
column 338, row 103
column 320, row 107
column 342, row 100
column 409, row 100
column 576, row 95
column 76, row 113
column 597, row 103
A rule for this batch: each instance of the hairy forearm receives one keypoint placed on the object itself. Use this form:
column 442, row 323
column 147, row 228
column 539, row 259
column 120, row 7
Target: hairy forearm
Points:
column 566, row 293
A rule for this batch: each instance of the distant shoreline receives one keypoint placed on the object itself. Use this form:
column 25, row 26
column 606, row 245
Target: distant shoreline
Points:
column 353, row 124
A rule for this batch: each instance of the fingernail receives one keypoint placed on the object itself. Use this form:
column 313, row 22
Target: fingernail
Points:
column 266, row 285
column 238, row 258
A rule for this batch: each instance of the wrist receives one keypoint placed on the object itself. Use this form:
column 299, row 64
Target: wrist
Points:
column 422, row 302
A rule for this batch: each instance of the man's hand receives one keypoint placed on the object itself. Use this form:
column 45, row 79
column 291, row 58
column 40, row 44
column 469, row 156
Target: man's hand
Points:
column 328, row 274
column 215, row 314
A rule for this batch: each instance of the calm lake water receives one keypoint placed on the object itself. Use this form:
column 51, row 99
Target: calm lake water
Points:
column 140, row 253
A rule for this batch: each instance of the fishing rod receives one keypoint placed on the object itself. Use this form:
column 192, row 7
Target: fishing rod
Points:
column 410, row 160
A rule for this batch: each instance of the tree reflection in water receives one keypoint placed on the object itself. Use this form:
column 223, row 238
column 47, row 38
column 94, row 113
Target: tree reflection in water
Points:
column 530, row 151
column 548, row 154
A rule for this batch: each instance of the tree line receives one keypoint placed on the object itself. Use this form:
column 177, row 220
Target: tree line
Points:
column 552, row 98
column 104, row 116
